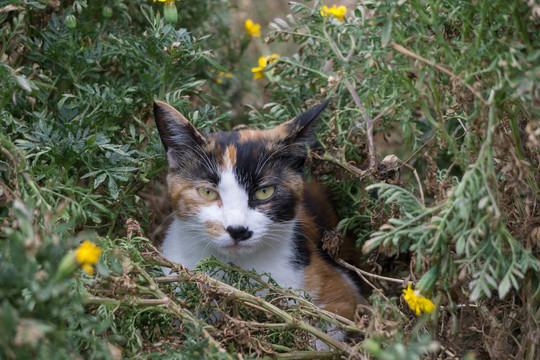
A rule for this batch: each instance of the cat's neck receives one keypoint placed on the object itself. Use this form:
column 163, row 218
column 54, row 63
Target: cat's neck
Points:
column 185, row 245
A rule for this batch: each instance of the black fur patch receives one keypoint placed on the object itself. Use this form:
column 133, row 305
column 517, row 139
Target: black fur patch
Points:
column 258, row 165
column 196, row 165
column 302, row 257
column 302, row 129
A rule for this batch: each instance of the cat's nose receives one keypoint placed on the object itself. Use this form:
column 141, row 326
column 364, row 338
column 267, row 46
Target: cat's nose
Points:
column 239, row 233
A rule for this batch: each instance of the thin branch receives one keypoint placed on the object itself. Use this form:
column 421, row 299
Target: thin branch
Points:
column 358, row 102
column 307, row 355
column 351, row 168
column 409, row 53
column 363, row 272
column 247, row 299
column 97, row 300
column 419, row 149
column 173, row 306
column 368, row 121
column 291, row 320
column 415, row 173
column 328, row 316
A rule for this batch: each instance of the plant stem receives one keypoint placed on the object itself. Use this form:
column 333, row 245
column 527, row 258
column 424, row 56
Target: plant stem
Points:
column 286, row 61
column 292, row 321
column 367, row 119
column 307, row 355
column 174, row 307
column 351, row 168
column 363, row 272
column 97, row 300
column 409, row 53
column 214, row 285
column 357, row 101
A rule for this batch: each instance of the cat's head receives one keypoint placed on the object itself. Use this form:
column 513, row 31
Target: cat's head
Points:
column 237, row 191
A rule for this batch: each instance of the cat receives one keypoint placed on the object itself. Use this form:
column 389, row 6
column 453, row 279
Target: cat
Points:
column 241, row 197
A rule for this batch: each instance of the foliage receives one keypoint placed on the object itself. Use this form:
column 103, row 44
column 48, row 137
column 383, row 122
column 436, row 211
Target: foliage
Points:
column 448, row 79
column 42, row 317
column 448, row 88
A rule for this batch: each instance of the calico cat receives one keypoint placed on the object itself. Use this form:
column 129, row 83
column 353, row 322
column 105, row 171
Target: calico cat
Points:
column 241, row 197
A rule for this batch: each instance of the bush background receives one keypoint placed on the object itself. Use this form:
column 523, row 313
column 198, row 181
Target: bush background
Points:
column 449, row 88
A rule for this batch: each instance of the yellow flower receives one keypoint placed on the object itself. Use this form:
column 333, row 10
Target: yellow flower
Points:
column 263, row 62
column 252, row 29
column 167, row 1
column 417, row 302
column 221, row 75
column 87, row 254
column 339, row 12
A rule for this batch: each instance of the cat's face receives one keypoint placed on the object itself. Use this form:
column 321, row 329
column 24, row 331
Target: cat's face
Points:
column 239, row 190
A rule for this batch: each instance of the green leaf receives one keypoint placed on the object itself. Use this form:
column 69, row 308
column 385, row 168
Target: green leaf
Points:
column 386, row 32
column 460, row 245
column 113, row 188
column 99, row 179
column 24, row 83
column 505, row 286
column 114, row 148
column 119, row 176
column 214, row 63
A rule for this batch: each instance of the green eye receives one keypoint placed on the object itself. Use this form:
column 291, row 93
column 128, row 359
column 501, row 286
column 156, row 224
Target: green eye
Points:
column 208, row 194
column 264, row 192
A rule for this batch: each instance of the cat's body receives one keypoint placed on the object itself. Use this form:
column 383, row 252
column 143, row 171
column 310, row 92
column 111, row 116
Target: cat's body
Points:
column 240, row 196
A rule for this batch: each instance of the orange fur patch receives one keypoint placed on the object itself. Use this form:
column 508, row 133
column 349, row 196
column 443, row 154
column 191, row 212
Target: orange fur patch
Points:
column 280, row 132
column 330, row 288
column 184, row 196
column 214, row 229
column 251, row 135
column 294, row 182
column 229, row 157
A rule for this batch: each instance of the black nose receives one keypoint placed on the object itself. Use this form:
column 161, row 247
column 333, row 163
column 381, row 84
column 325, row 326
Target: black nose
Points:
column 239, row 233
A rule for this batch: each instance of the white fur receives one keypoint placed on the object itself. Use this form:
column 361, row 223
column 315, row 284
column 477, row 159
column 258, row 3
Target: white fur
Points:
column 270, row 249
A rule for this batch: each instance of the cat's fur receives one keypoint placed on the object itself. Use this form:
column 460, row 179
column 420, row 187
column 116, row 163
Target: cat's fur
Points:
column 280, row 235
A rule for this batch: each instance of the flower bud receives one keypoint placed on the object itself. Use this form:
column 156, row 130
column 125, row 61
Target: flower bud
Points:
column 68, row 265
column 428, row 280
column 372, row 346
column 71, row 21
column 170, row 13
column 107, row 12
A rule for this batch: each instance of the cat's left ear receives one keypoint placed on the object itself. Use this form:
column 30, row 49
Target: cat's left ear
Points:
column 178, row 135
column 174, row 129
column 301, row 129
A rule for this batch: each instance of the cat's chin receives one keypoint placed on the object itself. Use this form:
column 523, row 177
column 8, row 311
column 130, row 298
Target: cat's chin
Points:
column 237, row 249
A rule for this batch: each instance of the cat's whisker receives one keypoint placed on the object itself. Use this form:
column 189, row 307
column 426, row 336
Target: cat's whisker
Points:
column 158, row 227
column 212, row 164
column 209, row 247
column 202, row 154
column 259, row 169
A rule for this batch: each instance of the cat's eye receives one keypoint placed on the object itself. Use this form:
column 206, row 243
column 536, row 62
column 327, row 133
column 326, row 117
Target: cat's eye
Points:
column 208, row 194
column 264, row 192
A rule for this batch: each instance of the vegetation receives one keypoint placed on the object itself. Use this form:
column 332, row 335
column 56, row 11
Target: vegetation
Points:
column 431, row 147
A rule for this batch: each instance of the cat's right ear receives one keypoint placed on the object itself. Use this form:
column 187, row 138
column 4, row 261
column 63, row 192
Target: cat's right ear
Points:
column 176, row 132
